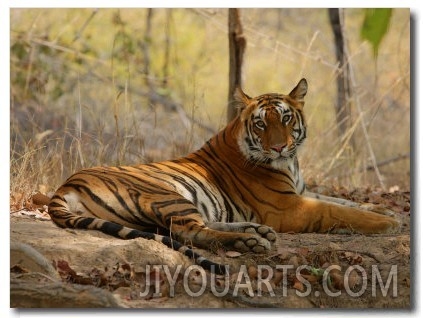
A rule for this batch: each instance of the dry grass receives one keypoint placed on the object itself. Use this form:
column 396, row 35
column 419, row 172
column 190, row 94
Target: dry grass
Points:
column 79, row 94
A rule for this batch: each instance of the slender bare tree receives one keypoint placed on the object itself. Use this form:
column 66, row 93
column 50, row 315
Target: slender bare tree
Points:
column 343, row 105
column 237, row 44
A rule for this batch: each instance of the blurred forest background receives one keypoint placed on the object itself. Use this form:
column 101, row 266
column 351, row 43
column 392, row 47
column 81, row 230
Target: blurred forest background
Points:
column 125, row 86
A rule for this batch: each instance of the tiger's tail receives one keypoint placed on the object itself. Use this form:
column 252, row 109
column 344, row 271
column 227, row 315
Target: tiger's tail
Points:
column 63, row 218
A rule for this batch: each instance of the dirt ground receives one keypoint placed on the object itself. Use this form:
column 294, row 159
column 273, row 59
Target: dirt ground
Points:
column 52, row 267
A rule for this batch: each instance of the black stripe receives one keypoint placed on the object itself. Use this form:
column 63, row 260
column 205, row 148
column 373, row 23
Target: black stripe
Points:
column 246, row 188
column 111, row 228
column 135, row 233
column 230, row 206
column 219, row 176
column 83, row 223
column 193, row 190
column 142, row 185
column 95, row 198
column 112, row 187
column 192, row 178
column 54, row 204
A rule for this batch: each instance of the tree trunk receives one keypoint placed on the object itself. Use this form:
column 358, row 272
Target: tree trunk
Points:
column 167, row 48
column 343, row 105
column 237, row 44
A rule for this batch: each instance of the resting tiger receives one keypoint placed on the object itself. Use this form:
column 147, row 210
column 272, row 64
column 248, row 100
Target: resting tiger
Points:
column 239, row 189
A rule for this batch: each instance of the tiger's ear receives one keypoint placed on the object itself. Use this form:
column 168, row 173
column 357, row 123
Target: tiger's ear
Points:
column 299, row 91
column 241, row 98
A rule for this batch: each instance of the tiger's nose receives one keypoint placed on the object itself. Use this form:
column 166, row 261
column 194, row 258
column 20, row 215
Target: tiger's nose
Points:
column 278, row 148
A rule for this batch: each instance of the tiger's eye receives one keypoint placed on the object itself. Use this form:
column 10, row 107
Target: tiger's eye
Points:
column 286, row 119
column 260, row 124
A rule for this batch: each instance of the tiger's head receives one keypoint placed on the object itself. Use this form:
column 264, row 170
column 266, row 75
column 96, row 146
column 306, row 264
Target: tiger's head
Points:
column 273, row 126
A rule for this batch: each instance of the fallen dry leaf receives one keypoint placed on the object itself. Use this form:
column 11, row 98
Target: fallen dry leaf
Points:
column 252, row 272
column 352, row 258
column 337, row 279
column 298, row 285
column 311, row 278
column 233, row 254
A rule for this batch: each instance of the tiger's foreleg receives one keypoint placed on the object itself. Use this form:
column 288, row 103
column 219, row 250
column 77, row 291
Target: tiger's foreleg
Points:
column 248, row 237
column 378, row 208
column 245, row 227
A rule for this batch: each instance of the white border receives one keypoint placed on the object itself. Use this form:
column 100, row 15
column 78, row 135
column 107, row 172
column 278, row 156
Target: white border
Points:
column 4, row 145
column 212, row 4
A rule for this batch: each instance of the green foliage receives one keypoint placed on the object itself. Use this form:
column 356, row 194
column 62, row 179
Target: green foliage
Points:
column 375, row 26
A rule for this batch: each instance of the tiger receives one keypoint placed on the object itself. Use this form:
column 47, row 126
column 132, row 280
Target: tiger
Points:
column 240, row 189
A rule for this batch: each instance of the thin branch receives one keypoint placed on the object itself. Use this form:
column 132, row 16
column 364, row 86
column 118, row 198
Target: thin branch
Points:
column 388, row 161
column 81, row 30
column 347, row 137
column 170, row 105
column 379, row 164
column 308, row 50
column 362, row 123
column 61, row 48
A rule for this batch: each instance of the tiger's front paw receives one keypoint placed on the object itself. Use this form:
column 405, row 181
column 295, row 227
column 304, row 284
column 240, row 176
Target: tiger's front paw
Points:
column 263, row 230
column 382, row 224
column 391, row 225
column 377, row 208
column 259, row 230
column 252, row 243
column 385, row 220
